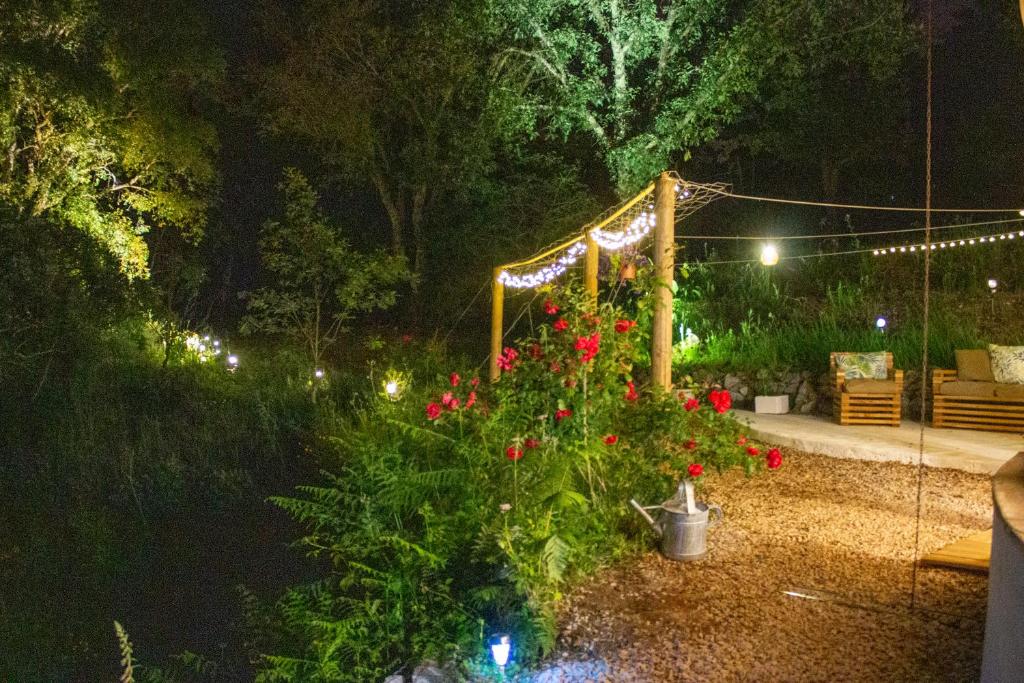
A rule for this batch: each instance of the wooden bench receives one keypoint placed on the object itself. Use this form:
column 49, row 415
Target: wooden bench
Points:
column 867, row 401
column 1001, row 410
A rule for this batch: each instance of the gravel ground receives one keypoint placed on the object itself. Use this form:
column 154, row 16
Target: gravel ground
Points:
column 840, row 530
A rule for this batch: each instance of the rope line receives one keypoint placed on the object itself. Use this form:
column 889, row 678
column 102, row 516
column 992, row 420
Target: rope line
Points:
column 862, row 207
column 927, row 297
column 845, row 234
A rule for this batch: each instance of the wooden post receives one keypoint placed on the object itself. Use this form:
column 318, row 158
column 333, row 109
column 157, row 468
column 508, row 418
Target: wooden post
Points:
column 664, row 265
column 590, row 265
column 497, row 323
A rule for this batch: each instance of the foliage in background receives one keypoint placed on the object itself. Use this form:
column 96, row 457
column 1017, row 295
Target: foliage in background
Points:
column 792, row 316
column 644, row 81
column 460, row 509
column 98, row 123
column 319, row 283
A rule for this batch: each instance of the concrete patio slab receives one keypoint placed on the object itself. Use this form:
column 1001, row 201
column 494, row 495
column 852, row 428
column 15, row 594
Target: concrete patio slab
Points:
column 961, row 449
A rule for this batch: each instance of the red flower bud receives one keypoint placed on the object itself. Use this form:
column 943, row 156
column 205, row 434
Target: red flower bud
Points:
column 611, row 439
column 454, row 379
column 513, row 453
column 433, row 411
column 753, row 450
column 695, row 470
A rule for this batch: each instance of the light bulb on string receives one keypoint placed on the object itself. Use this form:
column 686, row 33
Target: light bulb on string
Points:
column 881, row 323
column 769, row 255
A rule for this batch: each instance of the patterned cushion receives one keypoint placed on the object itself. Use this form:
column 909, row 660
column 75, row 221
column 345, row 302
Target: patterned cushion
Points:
column 862, row 365
column 1007, row 363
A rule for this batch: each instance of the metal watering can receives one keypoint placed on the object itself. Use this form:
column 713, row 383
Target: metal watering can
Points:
column 682, row 524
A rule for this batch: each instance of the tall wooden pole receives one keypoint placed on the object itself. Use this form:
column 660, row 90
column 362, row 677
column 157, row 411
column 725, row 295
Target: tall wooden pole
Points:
column 590, row 265
column 497, row 323
column 664, row 265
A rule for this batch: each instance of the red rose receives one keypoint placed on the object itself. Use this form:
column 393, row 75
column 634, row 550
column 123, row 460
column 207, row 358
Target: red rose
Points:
column 631, row 394
column 562, row 414
column 433, row 411
column 774, row 459
column 623, row 326
column 742, row 440
column 447, row 398
column 560, row 325
column 611, row 439
column 475, row 382
column 531, row 443
column 555, row 366
column 691, row 405
column 589, row 346
column 691, row 444
column 550, row 308
column 507, row 358
column 721, row 401
column 695, row 470
column 454, row 379
column 513, row 453
column 453, row 404
column 753, row 450
column 471, row 399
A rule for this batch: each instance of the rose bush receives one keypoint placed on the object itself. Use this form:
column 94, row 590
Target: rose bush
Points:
column 486, row 501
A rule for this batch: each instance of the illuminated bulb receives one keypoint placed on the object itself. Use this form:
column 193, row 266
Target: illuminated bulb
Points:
column 501, row 648
column 318, row 373
column 769, row 255
column 216, row 343
column 391, row 389
column 881, row 323
column 1021, row 212
column 992, row 284
column 232, row 360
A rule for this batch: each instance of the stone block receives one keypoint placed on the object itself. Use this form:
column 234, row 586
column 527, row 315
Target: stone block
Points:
column 776, row 405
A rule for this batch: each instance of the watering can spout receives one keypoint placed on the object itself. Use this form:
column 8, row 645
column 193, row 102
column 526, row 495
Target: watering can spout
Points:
column 643, row 513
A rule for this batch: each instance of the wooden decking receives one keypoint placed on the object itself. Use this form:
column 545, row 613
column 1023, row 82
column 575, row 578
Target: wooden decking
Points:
column 973, row 553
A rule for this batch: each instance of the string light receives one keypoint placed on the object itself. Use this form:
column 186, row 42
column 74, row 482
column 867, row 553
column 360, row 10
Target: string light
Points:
column 950, row 244
column 547, row 273
column 637, row 229
column 769, row 255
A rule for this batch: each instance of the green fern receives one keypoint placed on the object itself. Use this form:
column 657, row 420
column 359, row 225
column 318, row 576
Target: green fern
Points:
column 555, row 558
column 127, row 665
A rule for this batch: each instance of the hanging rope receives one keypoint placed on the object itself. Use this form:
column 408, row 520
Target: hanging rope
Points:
column 866, row 233
column 927, row 297
column 862, row 207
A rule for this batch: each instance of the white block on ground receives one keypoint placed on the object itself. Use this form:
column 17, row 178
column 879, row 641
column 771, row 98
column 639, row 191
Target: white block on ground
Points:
column 773, row 405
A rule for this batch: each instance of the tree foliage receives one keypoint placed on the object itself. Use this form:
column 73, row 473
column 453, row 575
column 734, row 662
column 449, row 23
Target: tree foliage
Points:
column 100, row 118
column 644, row 80
column 389, row 93
column 319, row 281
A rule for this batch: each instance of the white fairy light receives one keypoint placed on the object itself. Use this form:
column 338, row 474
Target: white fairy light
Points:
column 637, row 229
column 547, row 273
column 951, row 244
column 319, row 373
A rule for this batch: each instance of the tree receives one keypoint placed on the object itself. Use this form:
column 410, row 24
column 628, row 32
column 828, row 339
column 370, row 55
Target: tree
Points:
column 319, row 281
column 390, row 93
column 645, row 79
column 99, row 118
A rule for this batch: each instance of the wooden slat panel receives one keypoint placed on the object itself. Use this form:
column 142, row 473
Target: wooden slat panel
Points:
column 973, row 552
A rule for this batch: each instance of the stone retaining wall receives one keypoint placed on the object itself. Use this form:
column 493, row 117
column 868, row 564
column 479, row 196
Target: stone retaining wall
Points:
column 809, row 393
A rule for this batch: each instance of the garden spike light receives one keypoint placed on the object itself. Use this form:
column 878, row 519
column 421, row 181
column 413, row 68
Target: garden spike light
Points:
column 501, row 648
column 769, row 254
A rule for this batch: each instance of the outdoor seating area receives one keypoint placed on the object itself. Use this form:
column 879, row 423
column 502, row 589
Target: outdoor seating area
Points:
column 974, row 397
column 866, row 390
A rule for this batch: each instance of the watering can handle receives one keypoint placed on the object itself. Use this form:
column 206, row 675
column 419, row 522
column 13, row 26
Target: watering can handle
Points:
column 717, row 509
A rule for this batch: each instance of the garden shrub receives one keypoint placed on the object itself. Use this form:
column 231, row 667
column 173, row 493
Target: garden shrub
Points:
column 461, row 508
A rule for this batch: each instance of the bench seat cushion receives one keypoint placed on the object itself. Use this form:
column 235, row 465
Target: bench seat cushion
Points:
column 871, row 386
column 974, row 365
column 1013, row 391
column 976, row 389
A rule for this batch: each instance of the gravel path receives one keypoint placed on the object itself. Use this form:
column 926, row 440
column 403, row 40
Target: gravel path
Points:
column 842, row 530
